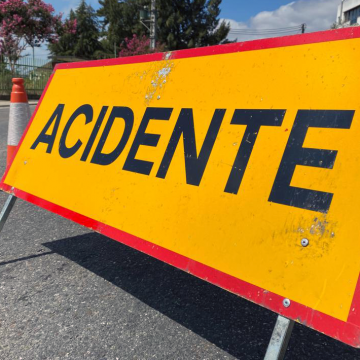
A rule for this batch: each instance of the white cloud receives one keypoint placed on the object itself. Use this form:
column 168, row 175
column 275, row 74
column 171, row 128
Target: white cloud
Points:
column 316, row 14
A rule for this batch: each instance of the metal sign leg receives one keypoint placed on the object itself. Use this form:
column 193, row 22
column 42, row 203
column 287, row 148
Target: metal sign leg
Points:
column 10, row 201
column 279, row 339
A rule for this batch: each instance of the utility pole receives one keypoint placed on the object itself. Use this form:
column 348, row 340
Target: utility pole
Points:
column 303, row 27
column 341, row 13
column 153, row 25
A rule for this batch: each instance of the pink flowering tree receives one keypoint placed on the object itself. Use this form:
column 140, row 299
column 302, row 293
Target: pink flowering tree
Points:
column 28, row 23
column 138, row 46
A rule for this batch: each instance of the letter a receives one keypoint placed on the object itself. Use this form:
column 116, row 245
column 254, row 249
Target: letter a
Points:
column 49, row 139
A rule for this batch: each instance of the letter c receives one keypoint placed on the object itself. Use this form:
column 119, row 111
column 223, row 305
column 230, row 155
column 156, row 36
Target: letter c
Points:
column 64, row 151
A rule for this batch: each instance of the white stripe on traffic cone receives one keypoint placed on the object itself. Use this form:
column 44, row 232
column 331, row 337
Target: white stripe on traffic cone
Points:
column 18, row 118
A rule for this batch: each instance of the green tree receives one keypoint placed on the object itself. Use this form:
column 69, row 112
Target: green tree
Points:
column 66, row 44
column 87, row 29
column 181, row 24
column 85, row 42
column 186, row 24
column 120, row 20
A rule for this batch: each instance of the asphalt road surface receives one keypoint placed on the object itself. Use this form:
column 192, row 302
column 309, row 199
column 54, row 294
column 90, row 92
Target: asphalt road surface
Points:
column 69, row 293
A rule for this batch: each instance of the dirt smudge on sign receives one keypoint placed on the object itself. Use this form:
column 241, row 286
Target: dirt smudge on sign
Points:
column 320, row 233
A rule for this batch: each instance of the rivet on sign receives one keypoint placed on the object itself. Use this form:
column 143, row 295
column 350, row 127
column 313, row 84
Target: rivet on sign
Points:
column 286, row 302
column 304, row 242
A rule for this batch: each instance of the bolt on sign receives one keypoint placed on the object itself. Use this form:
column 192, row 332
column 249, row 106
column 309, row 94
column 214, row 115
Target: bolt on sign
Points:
column 239, row 164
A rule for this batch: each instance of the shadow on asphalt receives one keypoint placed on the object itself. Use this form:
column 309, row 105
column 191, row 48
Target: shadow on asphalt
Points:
column 25, row 258
column 231, row 323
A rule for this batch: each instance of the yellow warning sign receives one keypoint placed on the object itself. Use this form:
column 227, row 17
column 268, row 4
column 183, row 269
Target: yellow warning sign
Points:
column 247, row 162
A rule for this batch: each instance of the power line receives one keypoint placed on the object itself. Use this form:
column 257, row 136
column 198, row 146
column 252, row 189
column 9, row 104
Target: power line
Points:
column 265, row 33
column 290, row 29
column 272, row 29
column 265, row 30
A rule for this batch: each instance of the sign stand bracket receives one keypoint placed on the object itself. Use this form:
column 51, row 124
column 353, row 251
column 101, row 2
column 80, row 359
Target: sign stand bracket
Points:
column 279, row 339
column 10, row 201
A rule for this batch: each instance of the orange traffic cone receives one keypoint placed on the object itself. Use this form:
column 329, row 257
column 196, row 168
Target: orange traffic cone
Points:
column 18, row 118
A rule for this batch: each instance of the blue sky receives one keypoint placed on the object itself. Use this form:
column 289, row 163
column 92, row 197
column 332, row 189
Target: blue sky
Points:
column 243, row 10
column 240, row 10
column 250, row 14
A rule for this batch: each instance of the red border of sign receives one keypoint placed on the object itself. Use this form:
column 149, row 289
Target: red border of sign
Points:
column 347, row 332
